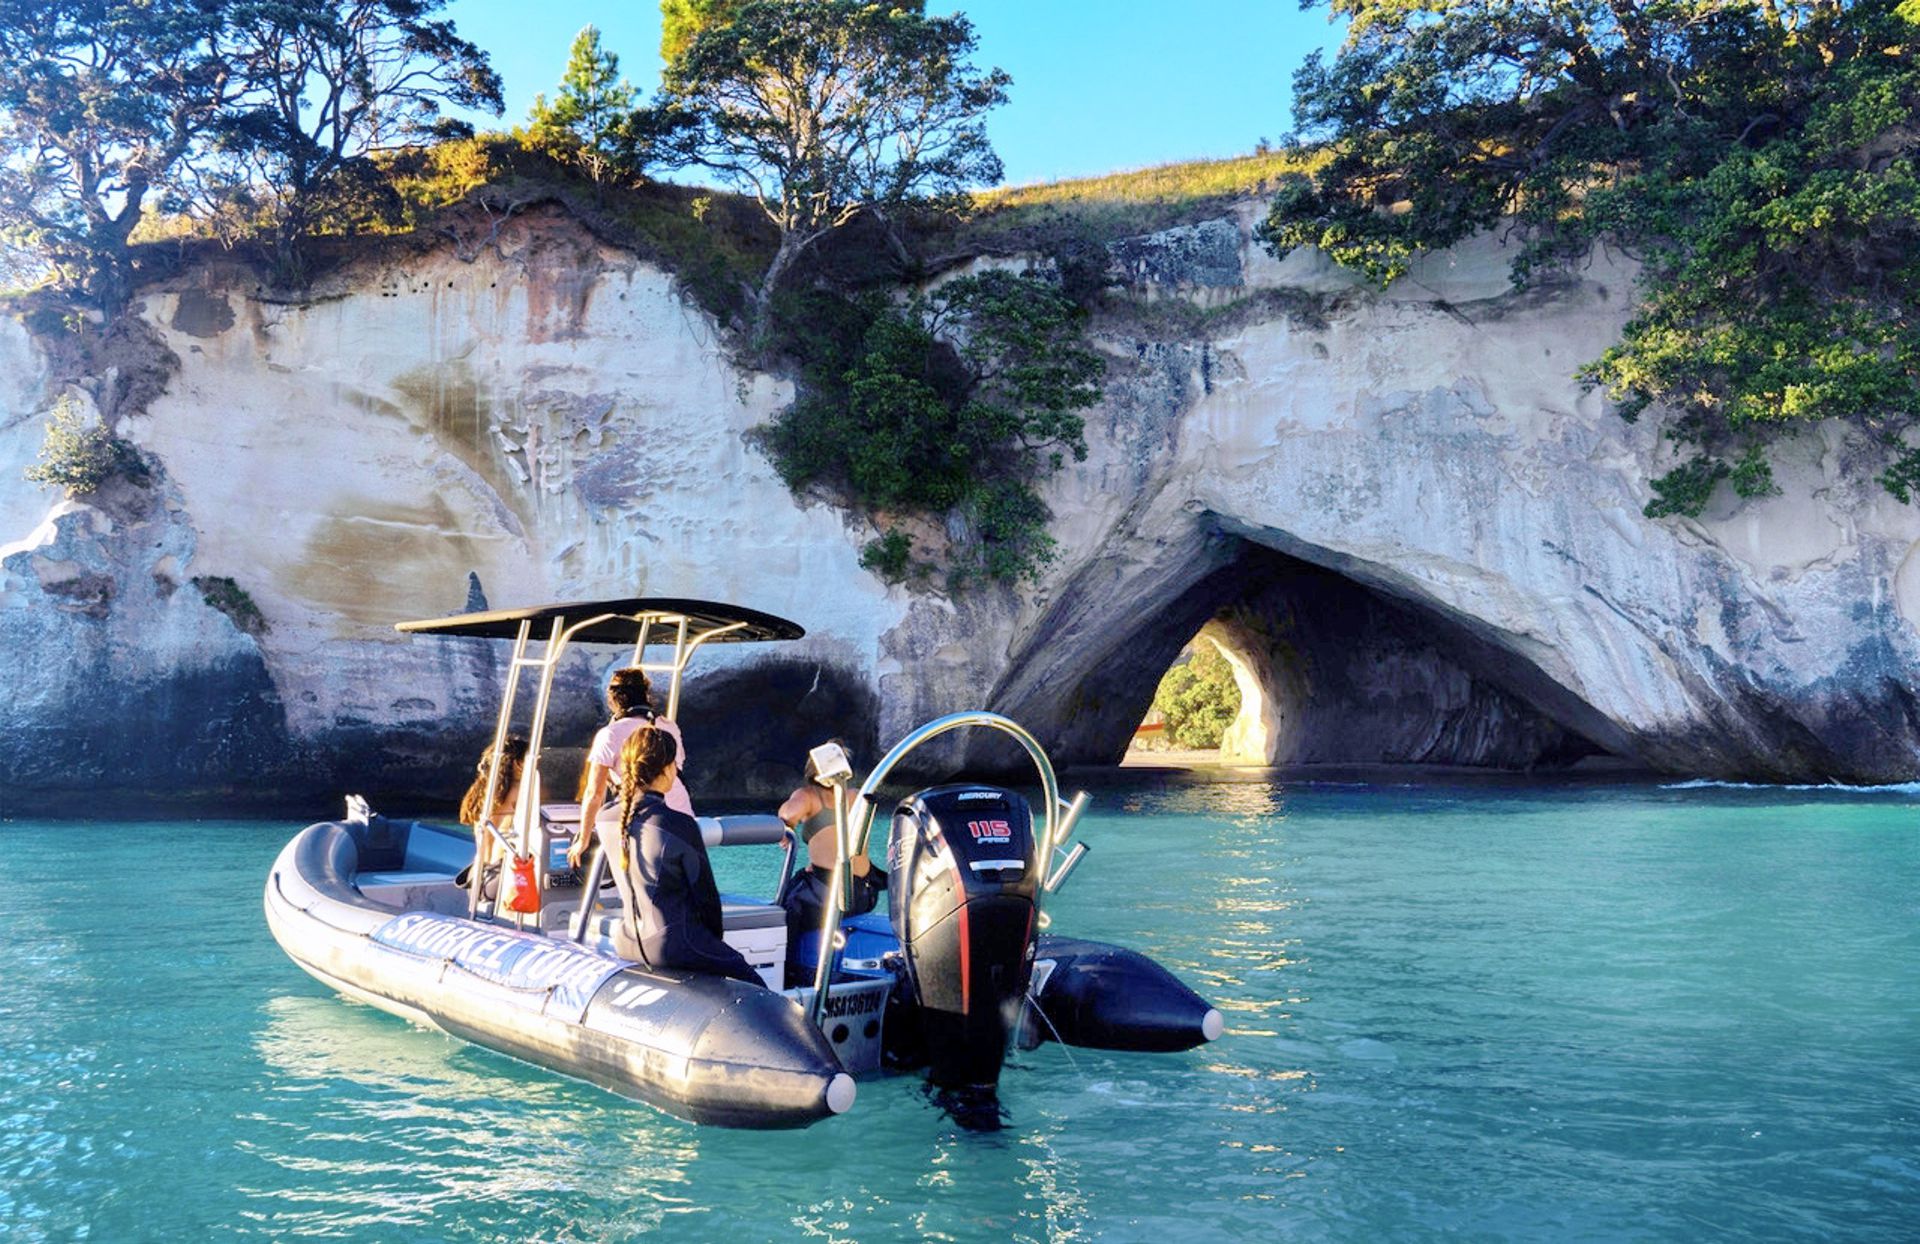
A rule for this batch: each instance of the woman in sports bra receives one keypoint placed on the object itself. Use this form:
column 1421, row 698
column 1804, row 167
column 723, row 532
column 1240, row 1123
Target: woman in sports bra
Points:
column 809, row 810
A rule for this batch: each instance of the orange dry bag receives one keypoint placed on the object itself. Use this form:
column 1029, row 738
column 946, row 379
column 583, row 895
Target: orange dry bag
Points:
column 523, row 892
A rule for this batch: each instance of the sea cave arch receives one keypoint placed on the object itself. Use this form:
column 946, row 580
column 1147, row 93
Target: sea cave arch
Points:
column 1333, row 670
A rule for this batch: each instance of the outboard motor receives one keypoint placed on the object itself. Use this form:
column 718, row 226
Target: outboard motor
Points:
column 965, row 872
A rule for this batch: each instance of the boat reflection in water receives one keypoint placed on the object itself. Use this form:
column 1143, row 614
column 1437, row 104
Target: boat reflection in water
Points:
column 397, row 1124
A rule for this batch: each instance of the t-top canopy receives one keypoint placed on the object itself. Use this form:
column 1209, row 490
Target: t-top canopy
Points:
column 736, row 625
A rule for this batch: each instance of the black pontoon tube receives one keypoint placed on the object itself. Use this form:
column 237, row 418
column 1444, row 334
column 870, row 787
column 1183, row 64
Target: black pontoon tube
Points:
column 704, row 1048
column 1109, row 997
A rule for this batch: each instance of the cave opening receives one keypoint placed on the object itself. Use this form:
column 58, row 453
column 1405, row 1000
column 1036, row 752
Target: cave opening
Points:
column 1209, row 708
column 1330, row 670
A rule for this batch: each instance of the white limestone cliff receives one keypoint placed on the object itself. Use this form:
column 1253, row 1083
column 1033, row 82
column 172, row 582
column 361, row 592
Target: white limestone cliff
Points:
column 1411, row 526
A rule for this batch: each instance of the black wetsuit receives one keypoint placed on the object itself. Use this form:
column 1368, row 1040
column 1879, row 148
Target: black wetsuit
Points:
column 806, row 900
column 673, row 907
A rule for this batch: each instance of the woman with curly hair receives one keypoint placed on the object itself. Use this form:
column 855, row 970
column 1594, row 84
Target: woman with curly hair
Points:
column 506, row 793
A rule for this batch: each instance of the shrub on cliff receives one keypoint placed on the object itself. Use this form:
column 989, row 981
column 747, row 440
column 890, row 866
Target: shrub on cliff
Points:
column 81, row 456
column 228, row 597
column 948, row 408
column 1759, row 157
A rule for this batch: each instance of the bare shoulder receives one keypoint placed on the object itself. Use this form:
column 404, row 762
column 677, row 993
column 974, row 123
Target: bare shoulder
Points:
column 804, row 802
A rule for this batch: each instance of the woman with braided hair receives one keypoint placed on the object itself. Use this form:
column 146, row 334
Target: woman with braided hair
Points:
column 672, row 907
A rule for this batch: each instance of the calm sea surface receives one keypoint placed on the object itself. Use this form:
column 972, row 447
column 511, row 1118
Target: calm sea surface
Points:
column 1495, row 1012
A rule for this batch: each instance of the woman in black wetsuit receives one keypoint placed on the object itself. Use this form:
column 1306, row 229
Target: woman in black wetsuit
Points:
column 660, row 864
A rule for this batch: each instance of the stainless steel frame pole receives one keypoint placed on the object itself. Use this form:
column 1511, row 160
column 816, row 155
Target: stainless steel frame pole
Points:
column 830, row 918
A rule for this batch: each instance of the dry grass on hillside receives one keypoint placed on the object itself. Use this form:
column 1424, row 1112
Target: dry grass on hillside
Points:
column 1136, row 201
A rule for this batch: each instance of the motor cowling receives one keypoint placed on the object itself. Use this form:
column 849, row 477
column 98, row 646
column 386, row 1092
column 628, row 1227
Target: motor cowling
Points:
column 965, row 872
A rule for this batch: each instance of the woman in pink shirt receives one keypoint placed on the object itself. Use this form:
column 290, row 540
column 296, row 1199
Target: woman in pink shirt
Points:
column 629, row 700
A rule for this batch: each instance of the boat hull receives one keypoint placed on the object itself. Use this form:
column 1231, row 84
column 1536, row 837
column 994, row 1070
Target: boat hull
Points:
column 699, row 1047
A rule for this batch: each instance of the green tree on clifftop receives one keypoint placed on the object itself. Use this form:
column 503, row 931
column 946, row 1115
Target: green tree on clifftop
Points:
column 330, row 85
column 103, row 106
column 1758, row 155
column 681, row 21
column 823, row 110
column 273, row 110
column 590, row 121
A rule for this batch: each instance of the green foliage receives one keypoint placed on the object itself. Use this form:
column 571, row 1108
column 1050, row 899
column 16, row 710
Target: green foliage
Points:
column 1760, row 159
column 681, row 21
column 889, row 555
column 328, row 86
column 222, row 593
column 896, row 418
column 590, row 121
column 1902, row 478
column 242, row 116
column 102, row 105
column 1687, row 488
column 81, row 457
column 1198, row 697
column 1752, row 475
column 823, row 110
column 1009, row 523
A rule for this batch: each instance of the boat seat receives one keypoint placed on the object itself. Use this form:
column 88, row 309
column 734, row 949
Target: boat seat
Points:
column 415, row 890
column 435, row 848
column 763, row 942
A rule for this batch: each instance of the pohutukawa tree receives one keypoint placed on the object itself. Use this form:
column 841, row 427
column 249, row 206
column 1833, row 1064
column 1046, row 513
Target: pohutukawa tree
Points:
column 950, row 408
column 330, row 84
column 682, row 20
column 825, row 109
column 102, row 106
column 1758, row 155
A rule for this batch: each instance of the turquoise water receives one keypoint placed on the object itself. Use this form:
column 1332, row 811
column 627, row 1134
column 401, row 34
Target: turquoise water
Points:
column 1608, row 1012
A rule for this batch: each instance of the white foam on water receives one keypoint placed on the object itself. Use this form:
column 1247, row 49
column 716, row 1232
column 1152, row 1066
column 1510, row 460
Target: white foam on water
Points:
column 1838, row 788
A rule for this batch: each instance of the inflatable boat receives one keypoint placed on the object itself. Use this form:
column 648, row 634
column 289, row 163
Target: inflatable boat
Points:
column 958, row 968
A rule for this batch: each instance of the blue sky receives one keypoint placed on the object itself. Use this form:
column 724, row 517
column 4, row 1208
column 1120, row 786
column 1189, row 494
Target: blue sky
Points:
column 1098, row 85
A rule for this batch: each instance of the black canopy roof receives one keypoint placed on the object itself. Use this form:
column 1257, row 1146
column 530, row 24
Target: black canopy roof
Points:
column 621, row 628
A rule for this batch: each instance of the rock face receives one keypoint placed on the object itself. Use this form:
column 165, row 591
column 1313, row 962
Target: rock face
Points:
column 1414, row 532
column 1429, row 448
